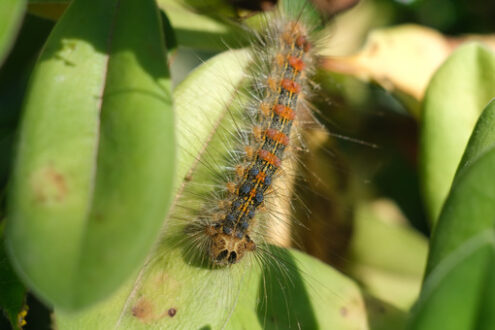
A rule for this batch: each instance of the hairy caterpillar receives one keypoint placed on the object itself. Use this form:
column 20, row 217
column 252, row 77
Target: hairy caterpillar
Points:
column 228, row 224
column 275, row 112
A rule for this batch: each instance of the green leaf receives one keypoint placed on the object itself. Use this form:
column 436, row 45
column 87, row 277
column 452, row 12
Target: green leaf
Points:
column 95, row 163
column 11, row 13
column 469, row 209
column 459, row 289
column 388, row 258
column 460, row 292
column 12, row 292
column 375, row 233
column 482, row 139
column 195, row 29
column 301, row 10
column 455, row 96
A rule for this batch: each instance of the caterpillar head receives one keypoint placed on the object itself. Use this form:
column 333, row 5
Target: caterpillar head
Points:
column 228, row 248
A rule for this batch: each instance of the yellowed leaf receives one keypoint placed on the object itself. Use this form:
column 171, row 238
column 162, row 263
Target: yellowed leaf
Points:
column 402, row 59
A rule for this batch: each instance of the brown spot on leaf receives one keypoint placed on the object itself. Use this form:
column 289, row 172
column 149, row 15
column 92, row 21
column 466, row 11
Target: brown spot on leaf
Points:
column 143, row 310
column 171, row 312
column 49, row 185
column 343, row 311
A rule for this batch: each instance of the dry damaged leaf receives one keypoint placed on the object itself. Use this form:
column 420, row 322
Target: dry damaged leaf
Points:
column 401, row 59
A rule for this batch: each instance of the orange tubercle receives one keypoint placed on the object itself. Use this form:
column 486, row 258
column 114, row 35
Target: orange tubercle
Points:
column 296, row 62
column 277, row 136
column 284, row 112
column 269, row 157
column 303, row 43
column 290, row 85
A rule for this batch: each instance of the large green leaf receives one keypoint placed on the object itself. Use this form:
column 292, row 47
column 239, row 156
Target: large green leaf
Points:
column 470, row 207
column 196, row 29
column 459, row 288
column 173, row 291
column 95, row 161
column 11, row 13
column 459, row 293
column 455, row 96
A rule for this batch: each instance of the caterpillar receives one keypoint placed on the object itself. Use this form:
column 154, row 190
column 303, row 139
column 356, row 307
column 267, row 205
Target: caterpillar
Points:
column 230, row 238
column 228, row 225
